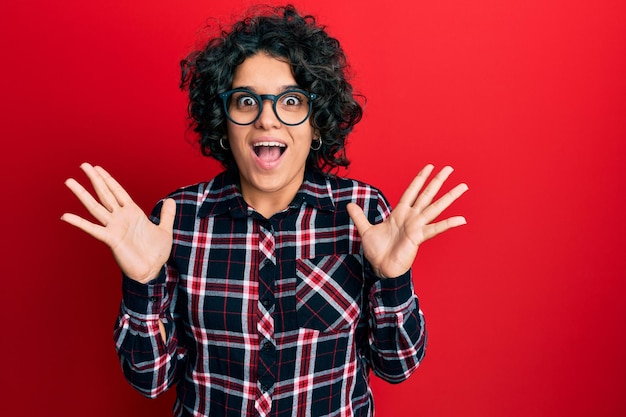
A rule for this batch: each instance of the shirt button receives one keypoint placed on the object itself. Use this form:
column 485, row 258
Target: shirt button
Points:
column 264, row 388
column 267, row 346
column 266, row 303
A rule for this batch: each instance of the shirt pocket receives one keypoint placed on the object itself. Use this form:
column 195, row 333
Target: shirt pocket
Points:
column 328, row 292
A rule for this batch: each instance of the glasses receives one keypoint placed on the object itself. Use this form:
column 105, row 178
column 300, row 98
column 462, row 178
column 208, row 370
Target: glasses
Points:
column 291, row 107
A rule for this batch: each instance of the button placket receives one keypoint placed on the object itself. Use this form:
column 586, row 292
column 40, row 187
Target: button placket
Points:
column 265, row 323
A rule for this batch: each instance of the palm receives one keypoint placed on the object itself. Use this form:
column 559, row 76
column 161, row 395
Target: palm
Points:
column 391, row 246
column 139, row 246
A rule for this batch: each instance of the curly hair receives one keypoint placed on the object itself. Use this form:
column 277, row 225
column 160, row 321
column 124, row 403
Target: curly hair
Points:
column 318, row 64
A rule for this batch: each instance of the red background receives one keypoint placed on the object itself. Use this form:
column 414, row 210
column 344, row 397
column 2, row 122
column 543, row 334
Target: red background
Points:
column 527, row 100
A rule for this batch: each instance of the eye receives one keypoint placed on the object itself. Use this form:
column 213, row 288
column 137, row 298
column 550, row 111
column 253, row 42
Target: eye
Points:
column 245, row 101
column 292, row 99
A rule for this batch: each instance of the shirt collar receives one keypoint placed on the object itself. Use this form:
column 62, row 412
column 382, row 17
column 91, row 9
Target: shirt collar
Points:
column 223, row 195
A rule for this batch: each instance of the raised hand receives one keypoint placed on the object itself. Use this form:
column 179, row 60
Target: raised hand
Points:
column 139, row 246
column 391, row 246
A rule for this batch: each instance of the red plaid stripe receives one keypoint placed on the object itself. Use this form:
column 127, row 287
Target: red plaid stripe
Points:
column 267, row 245
column 263, row 403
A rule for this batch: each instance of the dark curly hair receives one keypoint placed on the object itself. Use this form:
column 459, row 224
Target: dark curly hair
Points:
column 318, row 64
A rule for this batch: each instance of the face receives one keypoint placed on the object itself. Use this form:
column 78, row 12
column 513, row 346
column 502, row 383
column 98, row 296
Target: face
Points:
column 271, row 156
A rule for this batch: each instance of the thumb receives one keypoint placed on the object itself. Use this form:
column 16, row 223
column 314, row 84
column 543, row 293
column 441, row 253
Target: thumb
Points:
column 358, row 217
column 168, row 212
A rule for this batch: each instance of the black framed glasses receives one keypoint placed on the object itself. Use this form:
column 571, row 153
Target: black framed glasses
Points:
column 243, row 107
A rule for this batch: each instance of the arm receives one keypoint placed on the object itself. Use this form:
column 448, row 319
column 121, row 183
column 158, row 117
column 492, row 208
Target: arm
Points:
column 397, row 332
column 390, row 243
column 397, row 329
column 144, row 332
column 146, row 338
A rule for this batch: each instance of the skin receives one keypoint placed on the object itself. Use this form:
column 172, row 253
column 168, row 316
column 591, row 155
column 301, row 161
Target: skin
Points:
column 141, row 248
column 268, row 187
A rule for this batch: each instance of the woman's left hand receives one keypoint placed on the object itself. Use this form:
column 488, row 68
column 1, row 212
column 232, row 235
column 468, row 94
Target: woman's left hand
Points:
column 391, row 246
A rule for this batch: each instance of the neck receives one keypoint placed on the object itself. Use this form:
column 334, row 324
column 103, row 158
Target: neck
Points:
column 268, row 203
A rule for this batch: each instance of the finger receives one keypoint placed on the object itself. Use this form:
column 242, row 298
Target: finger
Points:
column 105, row 196
column 358, row 217
column 91, row 204
column 410, row 195
column 168, row 213
column 91, row 229
column 435, row 229
column 426, row 197
column 431, row 212
column 120, row 194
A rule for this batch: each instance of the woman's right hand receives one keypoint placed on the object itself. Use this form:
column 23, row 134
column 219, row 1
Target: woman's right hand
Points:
column 140, row 247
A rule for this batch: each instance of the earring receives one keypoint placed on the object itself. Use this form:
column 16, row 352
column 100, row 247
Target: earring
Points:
column 318, row 144
column 226, row 148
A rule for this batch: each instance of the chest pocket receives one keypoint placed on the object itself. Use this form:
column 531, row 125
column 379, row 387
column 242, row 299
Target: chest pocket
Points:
column 328, row 292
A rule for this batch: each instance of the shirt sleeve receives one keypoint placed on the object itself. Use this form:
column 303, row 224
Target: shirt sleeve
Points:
column 149, row 364
column 397, row 336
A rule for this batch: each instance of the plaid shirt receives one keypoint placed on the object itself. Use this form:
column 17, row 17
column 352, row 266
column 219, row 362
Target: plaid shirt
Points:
column 270, row 317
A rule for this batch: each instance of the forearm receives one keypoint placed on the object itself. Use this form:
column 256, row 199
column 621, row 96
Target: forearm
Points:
column 397, row 329
column 145, row 337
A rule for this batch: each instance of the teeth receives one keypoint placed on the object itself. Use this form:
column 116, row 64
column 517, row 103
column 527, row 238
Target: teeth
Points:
column 281, row 145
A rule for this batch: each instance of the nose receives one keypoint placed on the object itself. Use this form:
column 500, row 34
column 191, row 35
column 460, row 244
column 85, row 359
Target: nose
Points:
column 267, row 119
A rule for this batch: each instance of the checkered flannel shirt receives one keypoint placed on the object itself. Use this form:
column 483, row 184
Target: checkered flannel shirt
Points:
column 269, row 317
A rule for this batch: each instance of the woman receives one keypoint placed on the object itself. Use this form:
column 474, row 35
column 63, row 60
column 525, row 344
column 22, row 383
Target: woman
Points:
column 275, row 288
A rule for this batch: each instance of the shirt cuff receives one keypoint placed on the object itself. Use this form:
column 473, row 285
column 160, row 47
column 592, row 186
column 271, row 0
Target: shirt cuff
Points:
column 143, row 299
column 394, row 292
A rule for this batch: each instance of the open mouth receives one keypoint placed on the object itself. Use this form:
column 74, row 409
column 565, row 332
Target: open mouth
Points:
column 269, row 151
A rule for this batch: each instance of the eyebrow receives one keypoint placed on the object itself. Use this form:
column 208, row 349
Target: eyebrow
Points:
column 283, row 88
